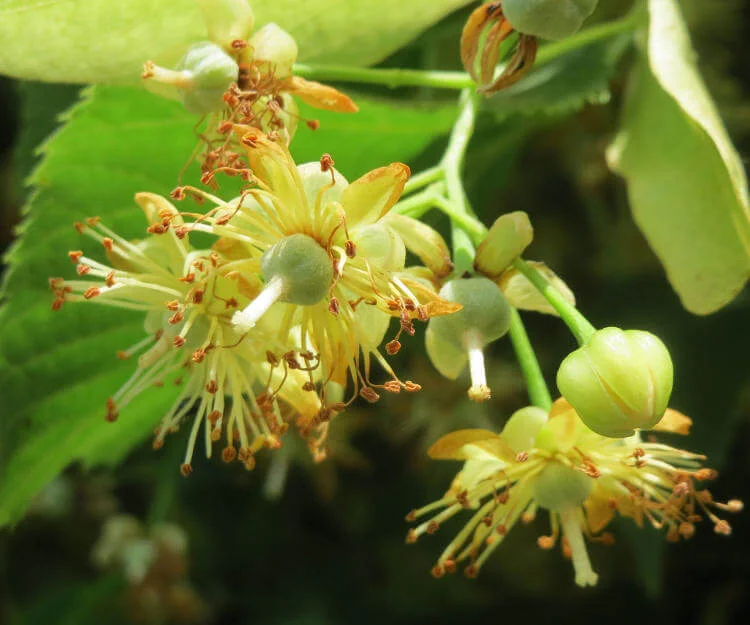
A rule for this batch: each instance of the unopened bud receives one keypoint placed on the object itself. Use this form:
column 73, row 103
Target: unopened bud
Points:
column 618, row 381
column 523, row 426
column 273, row 45
column 548, row 19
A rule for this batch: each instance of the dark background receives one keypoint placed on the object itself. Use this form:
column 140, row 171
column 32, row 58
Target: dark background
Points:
column 331, row 548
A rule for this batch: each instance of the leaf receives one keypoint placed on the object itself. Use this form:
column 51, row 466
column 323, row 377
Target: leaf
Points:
column 87, row 41
column 686, row 183
column 566, row 83
column 57, row 369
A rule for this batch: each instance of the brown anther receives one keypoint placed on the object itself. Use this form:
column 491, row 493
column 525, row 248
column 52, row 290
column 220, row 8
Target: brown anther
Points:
column 705, row 475
column 231, row 303
column 432, row 527
column 369, row 394
column 173, row 305
column 393, row 305
column 228, row 454
column 686, row 530
column 333, row 306
column 109, row 279
column 673, row 535
column 308, row 386
column 186, row 469
column 450, row 566
column 57, row 303
column 502, row 497
column 198, row 356
column 108, row 244
column 93, row 221
column 350, row 248
column 239, row 44
column 326, row 162
column 313, row 124
column 178, row 193
column 734, row 505
column 181, row 231
column 198, row 296
column 212, row 386
column 250, row 140
column 437, row 571
column 681, row 488
column 213, row 417
column 393, row 347
column 225, row 127
column 178, row 341
column 121, row 355
column 112, row 412
column 412, row 387
column 91, row 292
column 392, row 386
column 501, row 529
column 411, row 537
column 156, row 229
column 723, row 528
column 607, row 539
column 189, row 278
column 82, row 269
column 176, row 318
column 522, row 456
column 272, row 359
column 422, row 314
column 157, row 444
column 471, row 571
column 545, row 542
column 411, row 517
column 75, row 255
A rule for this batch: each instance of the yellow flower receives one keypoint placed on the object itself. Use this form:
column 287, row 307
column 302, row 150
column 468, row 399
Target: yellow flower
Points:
column 188, row 297
column 582, row 479
column 332, row 259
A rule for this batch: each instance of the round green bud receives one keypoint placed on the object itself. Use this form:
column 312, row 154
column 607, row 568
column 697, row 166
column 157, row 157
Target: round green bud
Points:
column 273, row 45
column 618, row 381
column 559, row 487
column 548, row 19
column 302, row 265
column 484, row 318
column 211, row 71
column 521, row 429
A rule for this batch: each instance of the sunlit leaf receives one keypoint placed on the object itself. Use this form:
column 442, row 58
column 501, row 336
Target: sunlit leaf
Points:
column 686, row 182
column 94, row 41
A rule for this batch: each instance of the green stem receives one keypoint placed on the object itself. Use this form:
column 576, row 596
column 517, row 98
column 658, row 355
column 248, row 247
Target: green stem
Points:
column 423, row 178
column 532, row 373
column 418, row 204
column 388, row 77
column 474, row 228
column 576, row 322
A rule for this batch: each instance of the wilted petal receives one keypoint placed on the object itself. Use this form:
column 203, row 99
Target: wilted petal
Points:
column 370, row 197
column 227, row 20
column 422, row 241
column 509, row 236
column 320, row 96
column 675, row 422
column 523, row 295
column 451, row 446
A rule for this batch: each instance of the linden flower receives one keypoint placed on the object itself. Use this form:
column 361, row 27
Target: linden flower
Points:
column 189, row 297
column 236, row 78
column 331, row 256
column 554, row 462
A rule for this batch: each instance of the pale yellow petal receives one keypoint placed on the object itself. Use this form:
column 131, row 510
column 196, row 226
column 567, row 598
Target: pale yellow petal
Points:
column 370, row 197
column 599, row 512
column 507, row 239
column 674, row 422
column 444, row 356
column 523, row 295
column 451, row 446
column 320, row 96
column 424, row 242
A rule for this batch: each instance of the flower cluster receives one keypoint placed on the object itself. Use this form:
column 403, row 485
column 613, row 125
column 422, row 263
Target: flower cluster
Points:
column 290, row 302
column 553, row 462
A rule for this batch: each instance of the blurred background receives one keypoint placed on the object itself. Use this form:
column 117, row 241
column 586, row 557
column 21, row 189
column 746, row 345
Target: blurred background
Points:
column 295, row 544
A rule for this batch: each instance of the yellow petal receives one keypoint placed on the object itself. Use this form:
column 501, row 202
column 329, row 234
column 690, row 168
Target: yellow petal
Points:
column 674, row 422
column 598, row 510
column 320, row 96
column 563, row 429
column 423, row 242
column 509, row 236
column 523, row 295
column 448, row 359
column 370, row 197
column 450, row 446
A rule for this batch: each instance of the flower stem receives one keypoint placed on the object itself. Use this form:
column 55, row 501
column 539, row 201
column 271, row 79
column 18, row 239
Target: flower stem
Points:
column 388, row 77
column 532, row 373
column 423, row 178
column 576, row 322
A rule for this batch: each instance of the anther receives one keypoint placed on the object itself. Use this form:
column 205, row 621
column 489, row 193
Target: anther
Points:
column 186, row 469
column 392, row 348
column 75, row 255
column 369, row 394
column 91, row 292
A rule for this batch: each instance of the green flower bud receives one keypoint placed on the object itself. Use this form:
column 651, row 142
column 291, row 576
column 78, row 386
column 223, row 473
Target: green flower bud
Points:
column 208, row 71
column 548, row 19
column 273, row 45
column 559, row 487
column 302, row 265
column 618, row 381
column 521, row 429
column 485, row 317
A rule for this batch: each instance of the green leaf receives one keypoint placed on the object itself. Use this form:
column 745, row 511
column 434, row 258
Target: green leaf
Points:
column 686, row 182
column 89, row 41
column 566, row 83
column 57, row 369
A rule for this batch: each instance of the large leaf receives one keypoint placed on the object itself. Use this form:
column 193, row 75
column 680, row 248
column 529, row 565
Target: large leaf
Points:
column 57, row 369
column 686, row 182
column 102, row 41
